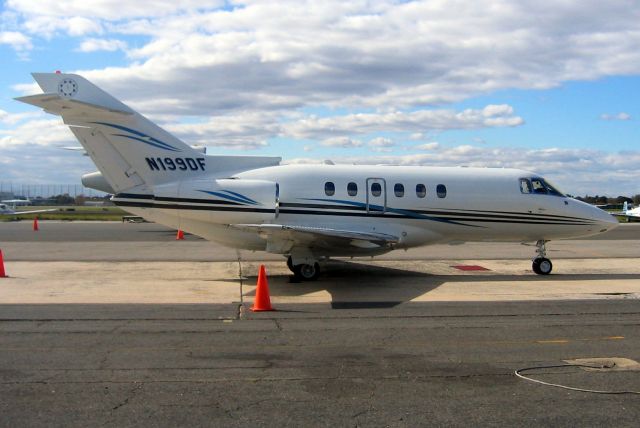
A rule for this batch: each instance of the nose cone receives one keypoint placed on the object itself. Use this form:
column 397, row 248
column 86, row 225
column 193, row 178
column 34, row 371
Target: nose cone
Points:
column 594, row 220
column 605, row 221
column 610, row 221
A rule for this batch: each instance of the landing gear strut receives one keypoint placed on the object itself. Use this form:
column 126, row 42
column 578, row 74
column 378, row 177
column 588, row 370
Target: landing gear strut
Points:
column 541, row 264
column 304, row 271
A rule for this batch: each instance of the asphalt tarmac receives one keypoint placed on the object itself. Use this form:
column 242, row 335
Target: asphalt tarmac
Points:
column 115, row 241
column 445, row 364
column 382, row 343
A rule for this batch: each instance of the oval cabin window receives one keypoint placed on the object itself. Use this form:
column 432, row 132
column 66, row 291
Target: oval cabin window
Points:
column 376, row 189
column 421, row 190
column 329, row 188
column 352, row 189
column 398, row 190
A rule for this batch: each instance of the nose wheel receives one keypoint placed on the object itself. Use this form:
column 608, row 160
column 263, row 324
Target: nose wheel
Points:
column 541, row 264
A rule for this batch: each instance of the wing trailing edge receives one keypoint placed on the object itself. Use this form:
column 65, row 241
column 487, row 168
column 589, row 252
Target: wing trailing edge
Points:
column 320, row 236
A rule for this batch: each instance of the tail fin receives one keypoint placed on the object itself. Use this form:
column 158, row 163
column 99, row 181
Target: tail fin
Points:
column 126, row 147
column 625, row 207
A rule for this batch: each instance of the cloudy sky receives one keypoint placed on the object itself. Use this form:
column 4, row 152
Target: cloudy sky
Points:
column 549, row 86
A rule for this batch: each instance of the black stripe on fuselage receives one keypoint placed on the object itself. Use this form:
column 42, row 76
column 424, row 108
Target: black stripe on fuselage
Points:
column 328, row 210
column 457, row 215
column 132, row 196
column 191, row 207
column 168, row 199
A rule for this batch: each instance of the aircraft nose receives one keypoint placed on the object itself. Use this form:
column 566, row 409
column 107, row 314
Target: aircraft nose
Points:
column 605, row 220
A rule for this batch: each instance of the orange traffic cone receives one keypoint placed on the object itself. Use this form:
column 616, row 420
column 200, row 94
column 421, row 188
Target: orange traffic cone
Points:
column 2, row 272
column 262, row 302
column 179, row 235
column 35, row 224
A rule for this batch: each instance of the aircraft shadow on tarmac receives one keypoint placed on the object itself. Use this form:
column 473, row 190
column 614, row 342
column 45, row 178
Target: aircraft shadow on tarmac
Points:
column 354, row 285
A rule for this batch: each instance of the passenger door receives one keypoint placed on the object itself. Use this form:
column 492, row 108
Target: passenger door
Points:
column 376, row 195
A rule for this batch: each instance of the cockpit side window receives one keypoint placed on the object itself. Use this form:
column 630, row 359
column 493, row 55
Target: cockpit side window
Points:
column 538, row 186
column 525, row 185
column 552, row 190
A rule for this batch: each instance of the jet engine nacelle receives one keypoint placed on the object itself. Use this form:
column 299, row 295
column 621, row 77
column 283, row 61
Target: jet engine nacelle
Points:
column 95, row 180
column 226, row 200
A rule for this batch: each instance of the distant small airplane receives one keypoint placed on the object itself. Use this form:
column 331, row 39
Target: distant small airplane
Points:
column 630, row 213
column 16, row 202
column 307, row 213
column 7, row 210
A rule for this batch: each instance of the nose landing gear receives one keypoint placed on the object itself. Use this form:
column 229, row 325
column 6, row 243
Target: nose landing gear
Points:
column 541, row 264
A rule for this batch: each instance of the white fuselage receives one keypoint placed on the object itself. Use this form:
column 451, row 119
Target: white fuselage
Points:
column 307, row 212
column 420, row 205
column 634, row 212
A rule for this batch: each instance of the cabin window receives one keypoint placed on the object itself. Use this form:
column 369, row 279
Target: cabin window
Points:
column 352, row 189
column 398, row 189
column 441, row 191
column 329, row 188
column 525, row 185
column 376, row 189
column 421, row 190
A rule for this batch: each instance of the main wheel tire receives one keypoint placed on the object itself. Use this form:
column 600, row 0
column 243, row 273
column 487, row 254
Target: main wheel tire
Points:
column 542, row 266
column 307, row 272
column 290, row 264
column 535, row 266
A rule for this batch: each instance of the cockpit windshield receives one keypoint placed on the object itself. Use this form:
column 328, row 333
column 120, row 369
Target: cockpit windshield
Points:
column 538, row 186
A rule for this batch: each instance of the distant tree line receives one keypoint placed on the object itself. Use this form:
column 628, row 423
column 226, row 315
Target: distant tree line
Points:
column 604, row 200
column 66, row 199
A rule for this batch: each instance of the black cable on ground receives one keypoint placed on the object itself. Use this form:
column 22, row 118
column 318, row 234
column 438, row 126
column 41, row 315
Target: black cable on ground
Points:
column 594, row 391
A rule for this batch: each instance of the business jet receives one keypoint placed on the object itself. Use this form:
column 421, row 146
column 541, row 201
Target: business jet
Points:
column 629, row 213
column 307, row 213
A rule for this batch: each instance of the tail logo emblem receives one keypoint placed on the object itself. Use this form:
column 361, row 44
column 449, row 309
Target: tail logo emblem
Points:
column 68, row 88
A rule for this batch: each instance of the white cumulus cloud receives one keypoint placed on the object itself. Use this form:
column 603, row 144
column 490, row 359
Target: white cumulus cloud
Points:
column 342, row 142
column 18, row 41
column 381, row 144
column 92, row 45
column 291, row 54
column 429, row 146
column 415, row 122
column 617, row 116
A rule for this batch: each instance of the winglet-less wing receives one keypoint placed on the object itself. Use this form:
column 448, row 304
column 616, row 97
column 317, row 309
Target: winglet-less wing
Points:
column 319, row 236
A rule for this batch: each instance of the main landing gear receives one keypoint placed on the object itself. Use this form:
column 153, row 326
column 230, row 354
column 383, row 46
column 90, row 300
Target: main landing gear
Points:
column 304, row 271
column 541, row 264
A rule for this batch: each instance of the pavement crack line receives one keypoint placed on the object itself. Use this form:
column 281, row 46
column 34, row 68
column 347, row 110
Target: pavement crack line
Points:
column 240, row 276
column 130, row 395
column 277, row 323
column 240, row 310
